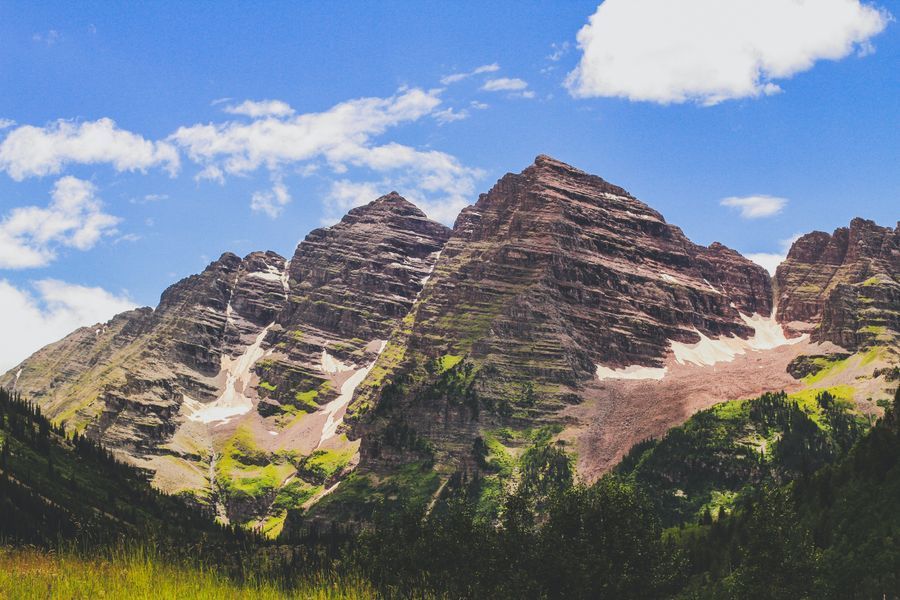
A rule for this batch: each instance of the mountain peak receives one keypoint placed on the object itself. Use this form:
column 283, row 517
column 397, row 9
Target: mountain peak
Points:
column 386, row 206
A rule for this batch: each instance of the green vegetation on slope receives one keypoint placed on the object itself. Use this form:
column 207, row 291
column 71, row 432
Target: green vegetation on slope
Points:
column 57, row 486
column 832, row 535
column 719, row 454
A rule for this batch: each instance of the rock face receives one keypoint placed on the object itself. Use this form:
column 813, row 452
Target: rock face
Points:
column 245, row 369
column 846, row 285
column 551, row 276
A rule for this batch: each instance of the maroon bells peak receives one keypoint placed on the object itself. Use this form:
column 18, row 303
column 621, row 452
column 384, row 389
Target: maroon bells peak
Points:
column 390, row 345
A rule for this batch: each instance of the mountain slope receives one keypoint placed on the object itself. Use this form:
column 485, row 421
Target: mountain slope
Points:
column 54, row 487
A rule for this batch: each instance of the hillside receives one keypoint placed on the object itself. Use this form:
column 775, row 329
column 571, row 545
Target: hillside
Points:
column 58, row 486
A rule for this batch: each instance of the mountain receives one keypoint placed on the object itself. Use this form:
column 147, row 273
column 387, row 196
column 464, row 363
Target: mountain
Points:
column 846, row 285
column 245, row 369
column 391, row 358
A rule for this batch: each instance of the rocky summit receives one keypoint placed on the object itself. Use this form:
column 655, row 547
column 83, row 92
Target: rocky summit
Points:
column 392, row 357
column 844, row 286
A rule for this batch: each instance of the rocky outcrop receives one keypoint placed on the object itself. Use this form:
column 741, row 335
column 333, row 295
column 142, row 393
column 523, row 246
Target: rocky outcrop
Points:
column 845, row 285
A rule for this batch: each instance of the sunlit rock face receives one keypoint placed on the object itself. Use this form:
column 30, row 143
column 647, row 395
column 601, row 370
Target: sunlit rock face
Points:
column 846, row 285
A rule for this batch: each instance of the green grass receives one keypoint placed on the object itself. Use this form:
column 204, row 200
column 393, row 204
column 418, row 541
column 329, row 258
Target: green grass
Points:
column 322, row 465
column 448, row 361
column 139, row 575
column 308, row 399
column 826, row 369
column 243, row 469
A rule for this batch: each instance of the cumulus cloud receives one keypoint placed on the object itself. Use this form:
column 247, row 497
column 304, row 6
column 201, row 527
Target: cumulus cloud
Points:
column 756, row 207
column 341, row 138
column 504, row 84
column 261, row 108
column 52, row 310
column 709, row 51
column 31, row 235
column 30, row 151
column 455, row 77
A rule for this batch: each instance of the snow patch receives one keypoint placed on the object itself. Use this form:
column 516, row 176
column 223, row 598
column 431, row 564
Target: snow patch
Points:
column 669, row 278
column 434, row 256
column 713, row 288
column 229, row 313
column 233, row 401
column 285, row 278
column 346, row 395
column 329, row 364
column 16, row 381
column 631, row 372
column 767, row 334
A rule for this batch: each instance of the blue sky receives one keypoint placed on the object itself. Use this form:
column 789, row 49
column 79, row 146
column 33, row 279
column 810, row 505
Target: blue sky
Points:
column 141, row 141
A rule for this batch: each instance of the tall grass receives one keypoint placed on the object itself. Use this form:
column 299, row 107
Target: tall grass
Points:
column 27, row 573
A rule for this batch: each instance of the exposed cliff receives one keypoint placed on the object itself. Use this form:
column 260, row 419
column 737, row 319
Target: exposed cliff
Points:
column 845, row 285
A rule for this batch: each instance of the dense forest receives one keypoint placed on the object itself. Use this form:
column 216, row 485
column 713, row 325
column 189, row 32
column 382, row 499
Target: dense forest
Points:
column 776, row 497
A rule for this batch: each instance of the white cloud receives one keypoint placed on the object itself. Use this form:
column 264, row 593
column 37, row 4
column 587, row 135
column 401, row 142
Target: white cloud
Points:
column 30, row 235
column 479, row 105
column 340, row 134
column 709, row 50
column 149, row 198
column 558, row 51
column 29, row 151
column 6, row 123
column 770, row 260
column 504, row 84
column 30, row 321
column 261, row 108
column 756, row 207
column 448, row 115
column 341, row 138
column 455, row 77
column 271, row 202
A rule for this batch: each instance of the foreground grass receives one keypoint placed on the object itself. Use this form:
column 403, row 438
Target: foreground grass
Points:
column 31, row 573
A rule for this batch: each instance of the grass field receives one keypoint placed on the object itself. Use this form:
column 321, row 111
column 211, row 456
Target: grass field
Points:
column 137, row 575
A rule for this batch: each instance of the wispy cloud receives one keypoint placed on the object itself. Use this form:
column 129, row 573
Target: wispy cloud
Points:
column 456, row 77
column 756, row 207
column 504, row 84
column 261, row 108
